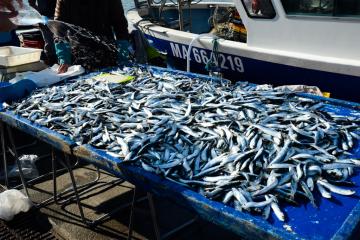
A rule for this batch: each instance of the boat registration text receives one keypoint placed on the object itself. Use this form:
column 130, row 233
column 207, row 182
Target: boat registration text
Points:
column 224, row 61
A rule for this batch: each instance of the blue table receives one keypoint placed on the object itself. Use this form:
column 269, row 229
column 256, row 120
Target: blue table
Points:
column 337, row 218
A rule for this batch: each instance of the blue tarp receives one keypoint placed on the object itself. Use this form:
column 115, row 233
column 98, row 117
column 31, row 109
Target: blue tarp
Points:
column 12, row 92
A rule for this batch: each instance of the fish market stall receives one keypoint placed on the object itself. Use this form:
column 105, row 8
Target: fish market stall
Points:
column 261, row 163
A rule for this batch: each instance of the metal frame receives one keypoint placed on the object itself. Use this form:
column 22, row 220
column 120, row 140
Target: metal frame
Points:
column 62, row 198
column 149, row 197
column 55, row 195
column 73, row 192
column 158, row 235
column 2, row 136
column 14, row 152
column 76, row 196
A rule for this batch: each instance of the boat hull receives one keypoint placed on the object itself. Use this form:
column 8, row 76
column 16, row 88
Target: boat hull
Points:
column 240, row 68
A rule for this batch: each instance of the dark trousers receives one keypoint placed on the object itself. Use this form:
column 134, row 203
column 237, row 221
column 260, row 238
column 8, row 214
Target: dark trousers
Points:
column 49, row 47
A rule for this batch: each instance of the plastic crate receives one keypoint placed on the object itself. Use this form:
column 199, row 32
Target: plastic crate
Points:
column 15, row 56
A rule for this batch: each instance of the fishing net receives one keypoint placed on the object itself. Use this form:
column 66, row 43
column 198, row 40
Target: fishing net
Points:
column 88, row 49
column 92, row 54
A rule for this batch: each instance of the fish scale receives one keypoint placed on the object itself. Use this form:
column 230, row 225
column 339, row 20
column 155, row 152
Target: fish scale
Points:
column 220, row 139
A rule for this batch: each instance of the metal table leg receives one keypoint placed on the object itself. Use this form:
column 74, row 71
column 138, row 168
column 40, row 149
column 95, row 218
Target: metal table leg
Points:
column 18, row 163
column 24, row 183
column 54, row 174
column 158, row 234
column 2, row 133
column 179, row 228
column 76, row 190
column 25, row 146
column 80, row 188
column 70, row 191
column 153, row 216
column 130, row 227
column 68, row 166
column 14, row 152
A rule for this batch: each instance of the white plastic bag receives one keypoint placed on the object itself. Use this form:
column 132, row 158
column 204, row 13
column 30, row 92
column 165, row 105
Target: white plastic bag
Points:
column 13, row 202
column 300, row 88
column 28, row 167
column 49, row 75
column 292, row 88
column 263, row 87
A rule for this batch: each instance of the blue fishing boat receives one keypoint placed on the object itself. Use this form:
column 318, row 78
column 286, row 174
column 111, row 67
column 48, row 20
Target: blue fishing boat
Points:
column 309, row 42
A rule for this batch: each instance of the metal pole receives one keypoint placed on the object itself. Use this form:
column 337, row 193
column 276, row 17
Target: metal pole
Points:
column 179, row 228
column 151, row 12
column 53, row 165
column 18, row 163
column 153, row 216
column 2, row 132
column 68, row 166
column 181, row 17
column 190, row 16
column 132, row 215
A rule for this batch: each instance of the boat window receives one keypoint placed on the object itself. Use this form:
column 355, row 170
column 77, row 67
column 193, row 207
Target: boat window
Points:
column 259, row 8
column 337, row 8
column 227, row 24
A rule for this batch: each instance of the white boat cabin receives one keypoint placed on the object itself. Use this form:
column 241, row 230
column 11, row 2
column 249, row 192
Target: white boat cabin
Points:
column 329, row 28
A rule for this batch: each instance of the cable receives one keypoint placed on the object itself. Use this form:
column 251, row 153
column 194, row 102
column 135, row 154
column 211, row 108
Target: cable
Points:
column 197, row 37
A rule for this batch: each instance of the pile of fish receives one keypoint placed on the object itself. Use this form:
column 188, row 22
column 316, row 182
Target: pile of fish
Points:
column 252, row 149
